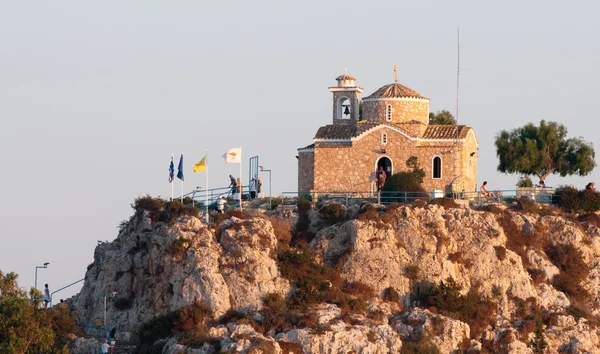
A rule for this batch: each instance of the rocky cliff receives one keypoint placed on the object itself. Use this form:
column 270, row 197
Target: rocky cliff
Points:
column 370, row 280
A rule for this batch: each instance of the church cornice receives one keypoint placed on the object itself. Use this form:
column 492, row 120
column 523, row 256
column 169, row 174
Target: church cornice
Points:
column 404, row 99
column 392, row 128
column 346, row 89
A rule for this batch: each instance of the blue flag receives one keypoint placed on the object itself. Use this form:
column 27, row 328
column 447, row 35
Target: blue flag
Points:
column 171, row 171
column 180, row 168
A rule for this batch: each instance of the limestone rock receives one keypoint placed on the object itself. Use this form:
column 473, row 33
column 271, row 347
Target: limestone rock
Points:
column 85, row 346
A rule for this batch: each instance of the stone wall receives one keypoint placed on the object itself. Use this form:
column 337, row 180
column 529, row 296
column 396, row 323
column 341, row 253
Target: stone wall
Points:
column 306, row 165
column 403, row 110
column 352, row 168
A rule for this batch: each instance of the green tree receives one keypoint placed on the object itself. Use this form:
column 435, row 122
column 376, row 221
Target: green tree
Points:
column 543, row 150
column 442, row 117
column 24, row 326
column 407, row 181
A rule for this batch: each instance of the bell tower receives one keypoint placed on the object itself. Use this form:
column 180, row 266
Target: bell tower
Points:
column 346, row 100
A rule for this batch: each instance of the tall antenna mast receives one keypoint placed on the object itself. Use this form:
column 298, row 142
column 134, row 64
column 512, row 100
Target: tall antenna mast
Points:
column 457, row 69
column 456, row 165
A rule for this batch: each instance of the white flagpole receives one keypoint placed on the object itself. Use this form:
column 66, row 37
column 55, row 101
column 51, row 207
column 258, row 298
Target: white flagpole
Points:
column 241, row 181
column 173, row 162
column 206, row 170
column 181, row 196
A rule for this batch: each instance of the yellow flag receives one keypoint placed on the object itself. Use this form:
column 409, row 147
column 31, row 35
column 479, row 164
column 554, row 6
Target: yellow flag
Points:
column 200, row 165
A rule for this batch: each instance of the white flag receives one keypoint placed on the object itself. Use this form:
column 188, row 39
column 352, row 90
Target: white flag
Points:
column 233, row 155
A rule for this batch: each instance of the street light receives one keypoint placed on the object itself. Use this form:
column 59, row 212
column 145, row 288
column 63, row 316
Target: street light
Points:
column 36, row 268
column 107, row 296
column 263, row 170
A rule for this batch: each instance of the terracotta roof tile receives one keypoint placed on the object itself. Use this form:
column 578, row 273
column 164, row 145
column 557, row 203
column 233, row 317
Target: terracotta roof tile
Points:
column 395, row 90
column 445, row 132
column 336, row 131
column 345, row 77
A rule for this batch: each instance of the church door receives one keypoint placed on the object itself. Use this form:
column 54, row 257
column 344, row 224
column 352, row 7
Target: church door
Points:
column 386, row 163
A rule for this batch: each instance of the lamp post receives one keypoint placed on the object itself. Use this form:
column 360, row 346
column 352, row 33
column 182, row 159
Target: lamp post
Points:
column 270, row 196
column 36, row 268
column 107, row 296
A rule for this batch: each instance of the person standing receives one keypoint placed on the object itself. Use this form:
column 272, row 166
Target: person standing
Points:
column 252, row 187
column 232, row 185
column 259, row 188
column 46, row 296
column 221, row 204
column 380, row 177
column 104, row 347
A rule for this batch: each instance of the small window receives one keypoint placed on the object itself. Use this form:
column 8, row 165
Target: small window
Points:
column 437, row 167
column 388, row 112
column 384, row 138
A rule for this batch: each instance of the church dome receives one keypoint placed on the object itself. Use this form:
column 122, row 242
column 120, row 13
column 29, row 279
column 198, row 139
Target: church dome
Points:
column 395, row 90
column 345, row 77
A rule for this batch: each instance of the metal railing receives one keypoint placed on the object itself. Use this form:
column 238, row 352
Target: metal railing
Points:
column 538, row 195
column 199, row 197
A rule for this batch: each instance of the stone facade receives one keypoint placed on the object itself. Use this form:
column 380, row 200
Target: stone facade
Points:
column 306, row 165
column 404, row 110
column 345, row 160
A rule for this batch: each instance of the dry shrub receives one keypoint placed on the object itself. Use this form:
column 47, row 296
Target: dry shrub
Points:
column 500, row 252
column 263, row 347
column 178, row 247
column 537, row 275
column 529, row 206
column 315, row 283
column 573, row 270
column 371, row 213
column 359, row 289
column 300, row 234
column 592, row 218
column 290, row 348
column 150, row 204
column 524, row 308
column 372, row 336
column 447, row 203
column 420, row 203
column 478, row 312
column 579, row 310
column 493, row 208
column 515, row 241
column 390, row 294
column 333, row 212
column 456, row 257
column 368, row 213
column 282, row 229
column 412, row 272
column 419, row 347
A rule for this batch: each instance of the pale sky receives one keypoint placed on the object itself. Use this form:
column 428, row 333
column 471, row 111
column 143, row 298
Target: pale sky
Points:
column 94, row 96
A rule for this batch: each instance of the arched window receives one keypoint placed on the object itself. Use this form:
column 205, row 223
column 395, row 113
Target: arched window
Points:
column 388, row 113
column 437, row 167
column 383, row 138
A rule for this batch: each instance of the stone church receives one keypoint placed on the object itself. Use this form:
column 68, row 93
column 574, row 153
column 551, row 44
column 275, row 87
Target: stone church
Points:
column 385, row 129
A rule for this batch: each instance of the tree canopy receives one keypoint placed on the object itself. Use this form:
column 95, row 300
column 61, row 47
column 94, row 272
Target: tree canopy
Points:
column 543, row 150
column 25, row 327
column 442, row 117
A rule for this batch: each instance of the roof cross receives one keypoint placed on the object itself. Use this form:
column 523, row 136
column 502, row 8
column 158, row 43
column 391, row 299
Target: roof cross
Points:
column 395, row 73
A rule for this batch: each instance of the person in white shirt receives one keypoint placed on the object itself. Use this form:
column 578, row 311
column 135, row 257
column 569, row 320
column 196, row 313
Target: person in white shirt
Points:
column 221, row 204
column 104, row 348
